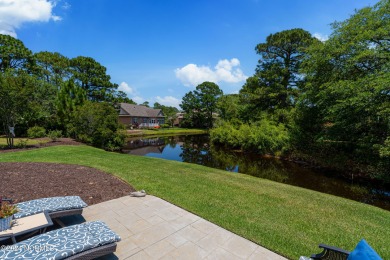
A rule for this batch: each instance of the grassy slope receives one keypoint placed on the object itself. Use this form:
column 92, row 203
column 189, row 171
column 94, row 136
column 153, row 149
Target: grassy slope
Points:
column 3, row 141
column 166, row 131
column 288, row 220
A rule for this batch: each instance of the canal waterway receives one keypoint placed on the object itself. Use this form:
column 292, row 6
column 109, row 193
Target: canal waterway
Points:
column 197, row 149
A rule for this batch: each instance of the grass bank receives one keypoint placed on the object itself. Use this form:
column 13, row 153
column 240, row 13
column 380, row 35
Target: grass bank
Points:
column 23, row 141
column 288, row 220
column 164, row 132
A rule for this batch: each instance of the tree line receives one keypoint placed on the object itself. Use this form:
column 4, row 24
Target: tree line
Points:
column 327, row 102
column 48, row 92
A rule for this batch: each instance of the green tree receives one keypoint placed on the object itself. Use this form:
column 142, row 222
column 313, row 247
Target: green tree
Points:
column 97, row 124
column 52, row 67
column 347, row 96
column 146, row 104
column 228, row 106
column 277, row 80
column 93, row 78
column 191, row 107
column 121, row 97
column 200, row 105
column 24, row 101
column 13, row 54
column 69, row 98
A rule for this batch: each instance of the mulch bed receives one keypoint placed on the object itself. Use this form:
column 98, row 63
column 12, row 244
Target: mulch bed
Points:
column 27, row 181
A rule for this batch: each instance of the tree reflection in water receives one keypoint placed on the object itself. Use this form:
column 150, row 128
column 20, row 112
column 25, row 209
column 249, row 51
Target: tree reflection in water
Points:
column 197, row 149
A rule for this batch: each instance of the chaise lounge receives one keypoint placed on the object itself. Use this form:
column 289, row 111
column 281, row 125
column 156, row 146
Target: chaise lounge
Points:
column 83, row 241
column 331, row 252
column 56, row 207
column 362, row 251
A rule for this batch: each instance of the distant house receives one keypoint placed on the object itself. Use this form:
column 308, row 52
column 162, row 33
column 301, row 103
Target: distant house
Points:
column 179, row 117
column 141, row 116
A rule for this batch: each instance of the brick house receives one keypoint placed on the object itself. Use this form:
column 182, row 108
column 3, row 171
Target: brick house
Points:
column 141, row 116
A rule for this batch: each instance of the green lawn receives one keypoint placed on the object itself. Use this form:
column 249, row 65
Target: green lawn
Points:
column 166, row 131
column 26, row 141
column 288, row 220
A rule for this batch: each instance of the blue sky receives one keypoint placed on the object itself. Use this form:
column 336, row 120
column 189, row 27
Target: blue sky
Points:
column 158, row 50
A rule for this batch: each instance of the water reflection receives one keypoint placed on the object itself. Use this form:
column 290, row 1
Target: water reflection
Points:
column 197, row 149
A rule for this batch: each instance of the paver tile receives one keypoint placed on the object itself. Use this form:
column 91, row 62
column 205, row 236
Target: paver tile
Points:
column 240, row 246
column 187, row 251
column 146, row 212
column 191, row 216
column 221, row 254
column 179, row 210
column 167, row 214
column 215, row 239
column 152, row 235
column 152, row 228
column 159, row 249
column 154, row 220
column 180, row 223
column 127, row 219
column 137, row 226
column 126, row 210
column 176, row 240
column 121, row 230
column 141, row 255
column 191, row 234
column 126, row 248
column 204, row 226
column 158, row 204
column 263, row 253
column 115, row 205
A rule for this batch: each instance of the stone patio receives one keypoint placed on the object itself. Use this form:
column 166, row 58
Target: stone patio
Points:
column 152, row 228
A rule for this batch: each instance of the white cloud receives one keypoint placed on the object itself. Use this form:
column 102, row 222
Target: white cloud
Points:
column 13, row 13
column 133, row 94
column 126, row 88
column 66, row 6
column 138, row 99
column 168, row 101
column 321, row 37
column 225, row 71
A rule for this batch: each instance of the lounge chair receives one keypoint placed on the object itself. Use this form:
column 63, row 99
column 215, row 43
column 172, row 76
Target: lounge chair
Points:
column 331, row 252
column 83, row 241
column 56, row 207
column 362, row 251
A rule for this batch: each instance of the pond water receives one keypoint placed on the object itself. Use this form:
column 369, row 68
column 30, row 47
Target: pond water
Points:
column 197, row 149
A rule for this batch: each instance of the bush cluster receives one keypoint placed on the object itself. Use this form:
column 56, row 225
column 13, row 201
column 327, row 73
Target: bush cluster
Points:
column 263, row 136
column 97, row 124
column 36, row 132
column 54, row 135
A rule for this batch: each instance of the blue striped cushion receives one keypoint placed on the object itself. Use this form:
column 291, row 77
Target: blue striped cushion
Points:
column 52, row 204
column 62, row 243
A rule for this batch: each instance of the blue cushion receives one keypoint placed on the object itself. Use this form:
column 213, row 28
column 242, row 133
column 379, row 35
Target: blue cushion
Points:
column 363, row 251
column 62, row 243
column 51, row 204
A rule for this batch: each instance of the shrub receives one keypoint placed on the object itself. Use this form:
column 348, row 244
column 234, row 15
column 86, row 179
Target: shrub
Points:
column 263, row 137
column 36, row 132
column 22, row 143
column 54, row 135
column 97, row 124
column 164, row 126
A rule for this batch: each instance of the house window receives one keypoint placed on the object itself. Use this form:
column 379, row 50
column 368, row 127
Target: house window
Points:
column 152, row 121
column 135, row 120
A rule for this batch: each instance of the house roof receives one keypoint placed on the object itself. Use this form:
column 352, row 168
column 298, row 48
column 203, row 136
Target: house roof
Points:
column 139, row 111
